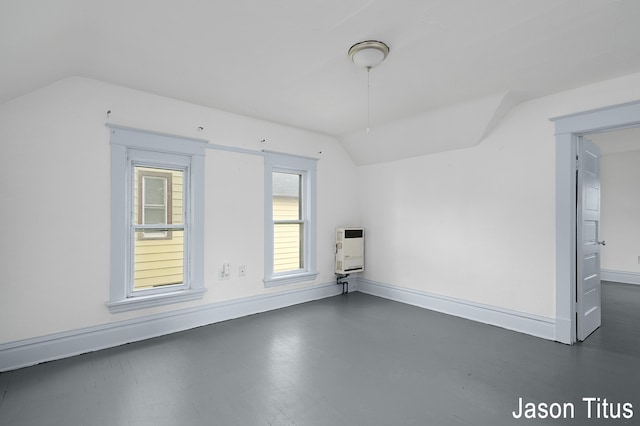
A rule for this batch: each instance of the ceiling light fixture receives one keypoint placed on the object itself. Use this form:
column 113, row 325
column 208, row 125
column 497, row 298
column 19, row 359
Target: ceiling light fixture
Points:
column 368, row 54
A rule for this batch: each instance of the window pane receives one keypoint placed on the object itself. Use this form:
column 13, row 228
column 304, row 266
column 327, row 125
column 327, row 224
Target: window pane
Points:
column 287, row 253
column 154, row 215
column 158, row 254
column 155, row 191
column 158, row 195
column 286, row 196
column 158, row 262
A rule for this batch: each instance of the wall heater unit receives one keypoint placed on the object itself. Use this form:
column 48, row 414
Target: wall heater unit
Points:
column 349, row 250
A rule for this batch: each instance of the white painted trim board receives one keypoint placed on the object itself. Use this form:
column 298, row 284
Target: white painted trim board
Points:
column 533, row 325
column 24, row 353
column 620, row 276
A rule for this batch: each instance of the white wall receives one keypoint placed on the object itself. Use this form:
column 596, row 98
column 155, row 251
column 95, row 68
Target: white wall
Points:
column 478, row 224
column 54, row 158
column 620, row 217
column 475, row 224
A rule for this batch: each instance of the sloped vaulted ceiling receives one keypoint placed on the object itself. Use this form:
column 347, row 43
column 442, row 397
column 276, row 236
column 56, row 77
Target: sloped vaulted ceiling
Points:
column 286, row 60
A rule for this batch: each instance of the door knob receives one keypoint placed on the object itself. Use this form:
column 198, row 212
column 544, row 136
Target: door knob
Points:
column 602, row 243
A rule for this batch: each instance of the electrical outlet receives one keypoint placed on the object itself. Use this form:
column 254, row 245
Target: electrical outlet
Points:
column 242, row 271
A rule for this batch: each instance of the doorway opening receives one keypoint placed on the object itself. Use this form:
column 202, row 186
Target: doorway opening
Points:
column 569, row 129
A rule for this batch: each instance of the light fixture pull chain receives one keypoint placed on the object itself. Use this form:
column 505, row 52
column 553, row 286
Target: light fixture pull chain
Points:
column 368, row 99
column 368, row 54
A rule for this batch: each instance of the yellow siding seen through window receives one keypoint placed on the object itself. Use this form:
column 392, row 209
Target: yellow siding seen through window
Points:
column 287, row 241
column 288, row 228
column 159, row 255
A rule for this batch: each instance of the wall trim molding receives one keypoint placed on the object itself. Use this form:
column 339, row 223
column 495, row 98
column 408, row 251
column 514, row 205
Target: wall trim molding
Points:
column 620, row 276
column 27, row 352
column 533, row 325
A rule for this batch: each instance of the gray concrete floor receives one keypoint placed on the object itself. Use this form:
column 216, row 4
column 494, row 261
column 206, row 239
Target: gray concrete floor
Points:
column 346, row 360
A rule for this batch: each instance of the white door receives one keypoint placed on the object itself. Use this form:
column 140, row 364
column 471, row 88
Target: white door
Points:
column 588, row 307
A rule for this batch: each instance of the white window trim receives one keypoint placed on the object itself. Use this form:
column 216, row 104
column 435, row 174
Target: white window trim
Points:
column 135, row 145
column 277, row 162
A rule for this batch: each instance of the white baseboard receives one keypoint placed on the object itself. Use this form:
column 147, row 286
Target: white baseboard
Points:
column 620, row 276
column 28, row 352
column 563, row 331
column 23, row 353
column 512, row 320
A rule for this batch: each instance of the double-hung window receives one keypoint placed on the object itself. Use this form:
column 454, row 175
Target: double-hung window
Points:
column 290, row 208
column 156, row 219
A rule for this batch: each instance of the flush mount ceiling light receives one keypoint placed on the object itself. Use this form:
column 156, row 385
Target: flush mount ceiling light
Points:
column 368, row 54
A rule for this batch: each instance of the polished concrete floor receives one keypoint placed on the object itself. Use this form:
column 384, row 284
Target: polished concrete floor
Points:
column 346, row 360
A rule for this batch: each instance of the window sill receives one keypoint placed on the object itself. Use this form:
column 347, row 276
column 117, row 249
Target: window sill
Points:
column 290, row 279
column 141, row 302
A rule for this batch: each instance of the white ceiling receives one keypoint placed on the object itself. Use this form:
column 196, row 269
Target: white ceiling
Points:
column 286, row 60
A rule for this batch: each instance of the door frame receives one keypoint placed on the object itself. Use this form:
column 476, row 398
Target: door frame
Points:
column 567, row 129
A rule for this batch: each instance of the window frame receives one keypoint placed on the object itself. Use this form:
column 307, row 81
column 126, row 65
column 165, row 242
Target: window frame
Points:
column 131, row 148
column 306, row 168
